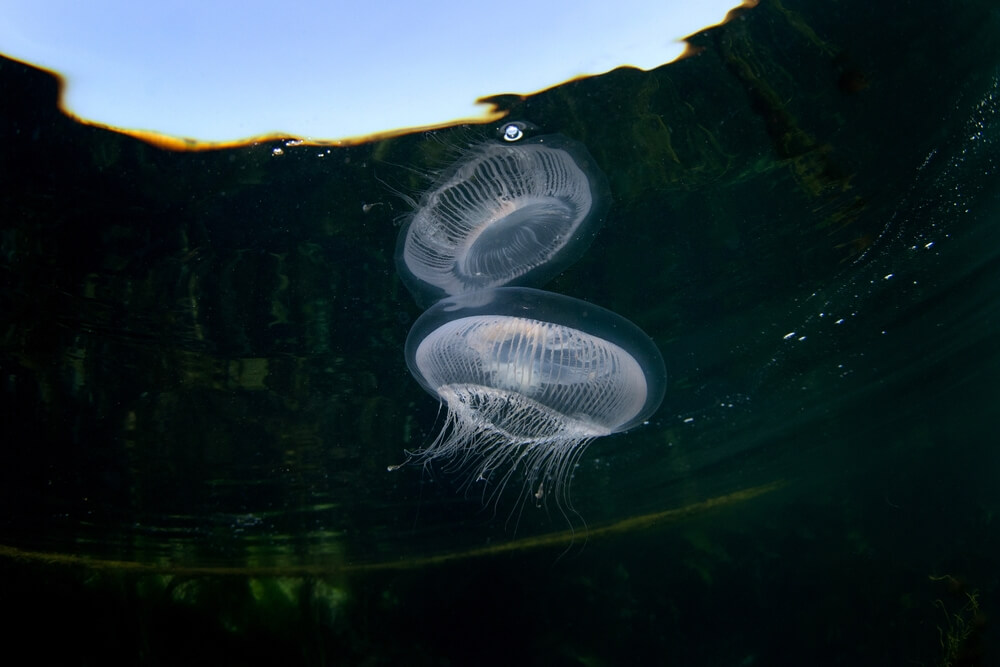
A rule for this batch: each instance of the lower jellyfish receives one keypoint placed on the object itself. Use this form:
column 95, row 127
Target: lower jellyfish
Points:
column 529, row 378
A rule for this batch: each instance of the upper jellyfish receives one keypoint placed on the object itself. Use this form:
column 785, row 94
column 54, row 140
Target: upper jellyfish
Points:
column 504, row 214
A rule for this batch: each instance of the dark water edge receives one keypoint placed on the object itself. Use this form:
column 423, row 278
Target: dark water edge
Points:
column 203, row 383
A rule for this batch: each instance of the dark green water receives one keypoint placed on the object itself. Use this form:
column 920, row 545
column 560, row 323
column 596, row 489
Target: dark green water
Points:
column 203, row 383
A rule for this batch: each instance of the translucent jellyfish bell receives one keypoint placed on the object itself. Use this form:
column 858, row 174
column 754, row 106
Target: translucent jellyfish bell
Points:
column 511, row 212
column 529, row 378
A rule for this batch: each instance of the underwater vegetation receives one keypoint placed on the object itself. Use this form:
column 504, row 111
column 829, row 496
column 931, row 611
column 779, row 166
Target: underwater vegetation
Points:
column 960, row 635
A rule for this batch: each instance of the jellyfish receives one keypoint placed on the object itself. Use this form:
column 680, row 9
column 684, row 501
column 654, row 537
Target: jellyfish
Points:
column 511, row 212
column 528, row 379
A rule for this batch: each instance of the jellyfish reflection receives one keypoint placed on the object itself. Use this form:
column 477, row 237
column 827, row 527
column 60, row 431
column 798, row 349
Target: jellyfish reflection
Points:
column 506, row 213
column 529, row 378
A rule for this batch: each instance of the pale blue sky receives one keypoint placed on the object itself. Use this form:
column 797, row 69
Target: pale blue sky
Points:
column 226, row 70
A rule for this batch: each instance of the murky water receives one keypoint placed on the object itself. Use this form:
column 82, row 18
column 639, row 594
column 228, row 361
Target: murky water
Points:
column 203, row 378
